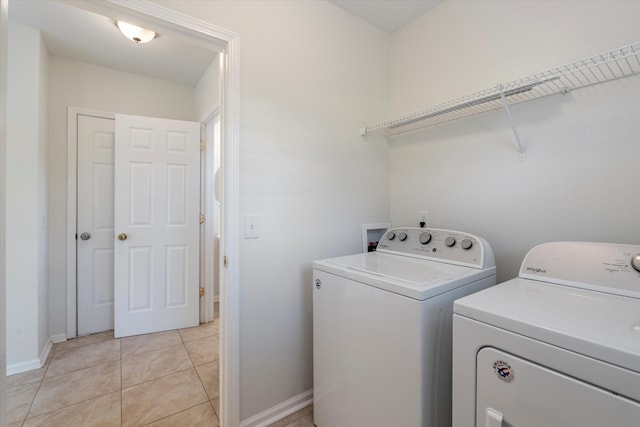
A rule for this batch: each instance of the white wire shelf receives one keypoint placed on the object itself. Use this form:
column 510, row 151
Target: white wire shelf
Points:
column 615, row 64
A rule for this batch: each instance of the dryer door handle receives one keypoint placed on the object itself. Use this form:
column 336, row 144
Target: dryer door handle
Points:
column 493, row 418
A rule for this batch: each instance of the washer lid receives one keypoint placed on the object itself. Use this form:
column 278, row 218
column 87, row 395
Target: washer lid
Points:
column 415, row 278
column 599, row 325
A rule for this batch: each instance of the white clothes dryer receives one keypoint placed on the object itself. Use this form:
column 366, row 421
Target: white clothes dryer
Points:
column 382, row 327
column 559, row 346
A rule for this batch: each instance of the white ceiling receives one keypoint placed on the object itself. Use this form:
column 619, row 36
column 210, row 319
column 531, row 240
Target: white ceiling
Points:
column 80, row 35
column 84, row 36
column 388, row 15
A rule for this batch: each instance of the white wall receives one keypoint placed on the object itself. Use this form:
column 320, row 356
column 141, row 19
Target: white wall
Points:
column 83, row 85
column 207, row 91
column 310, row 76
column 581, row 164
column 26, row 214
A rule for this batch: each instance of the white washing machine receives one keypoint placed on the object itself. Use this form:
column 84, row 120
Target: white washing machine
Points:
column 382, row 327
column 559, row 346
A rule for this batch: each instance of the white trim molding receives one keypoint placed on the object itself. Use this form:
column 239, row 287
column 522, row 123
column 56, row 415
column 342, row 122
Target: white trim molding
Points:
column 210, row 248
column 29, row 365
column 58, row 338
column 279, row 411
column 44, row 354
column 20, row 367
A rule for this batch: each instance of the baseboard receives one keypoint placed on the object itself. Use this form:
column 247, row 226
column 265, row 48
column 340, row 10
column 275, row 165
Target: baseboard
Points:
column 58, row 338
column 279, row 411
column 45, row 352
column 20, row 367
column 30, row 365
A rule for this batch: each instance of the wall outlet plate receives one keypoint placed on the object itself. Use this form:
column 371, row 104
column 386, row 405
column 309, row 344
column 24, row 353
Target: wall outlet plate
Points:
column 423, row 216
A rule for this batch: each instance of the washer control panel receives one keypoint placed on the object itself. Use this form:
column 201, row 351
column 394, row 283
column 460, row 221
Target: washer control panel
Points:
column 449, row 246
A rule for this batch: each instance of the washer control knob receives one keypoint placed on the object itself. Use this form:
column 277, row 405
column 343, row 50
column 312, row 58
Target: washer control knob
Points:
column 466, row 244
column 402, row 236
column 391, row 235
column 449, row 241
column 425, row 238
column 635, row 262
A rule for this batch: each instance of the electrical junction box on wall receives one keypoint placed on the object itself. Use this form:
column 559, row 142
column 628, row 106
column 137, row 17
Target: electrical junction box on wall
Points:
column 371, row 233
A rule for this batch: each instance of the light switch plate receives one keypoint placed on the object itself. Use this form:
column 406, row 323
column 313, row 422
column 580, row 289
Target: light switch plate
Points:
column 251, row 227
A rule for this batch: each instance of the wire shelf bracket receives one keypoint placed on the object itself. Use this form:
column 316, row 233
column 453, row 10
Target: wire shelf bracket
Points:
column 600, row 68
column 510, row 118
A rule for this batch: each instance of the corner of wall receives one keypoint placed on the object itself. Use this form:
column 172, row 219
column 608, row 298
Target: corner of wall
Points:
column 43, row 216
column 26, row 240
column 3, row 186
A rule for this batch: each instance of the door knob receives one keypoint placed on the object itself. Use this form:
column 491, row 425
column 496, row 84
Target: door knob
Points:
column 85, row 236
column 122, row 236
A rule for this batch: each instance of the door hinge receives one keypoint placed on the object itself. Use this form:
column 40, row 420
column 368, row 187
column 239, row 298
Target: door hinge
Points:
column 201, row 218
column 226, row 261
column 201, row 292
column 203, row 145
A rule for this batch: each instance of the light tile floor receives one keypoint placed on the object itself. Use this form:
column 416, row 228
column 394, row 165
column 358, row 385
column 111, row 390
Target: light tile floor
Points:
column 162, row 379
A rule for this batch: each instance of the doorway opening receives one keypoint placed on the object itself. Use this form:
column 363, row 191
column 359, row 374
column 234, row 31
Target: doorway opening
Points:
column 100, row 157
column 167, row 21
column 212, row 209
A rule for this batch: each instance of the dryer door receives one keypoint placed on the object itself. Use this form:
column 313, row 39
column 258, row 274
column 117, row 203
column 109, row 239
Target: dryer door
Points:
column 514, row 392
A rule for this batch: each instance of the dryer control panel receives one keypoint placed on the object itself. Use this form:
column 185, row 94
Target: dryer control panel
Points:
column 606, row 267
column 448, row 246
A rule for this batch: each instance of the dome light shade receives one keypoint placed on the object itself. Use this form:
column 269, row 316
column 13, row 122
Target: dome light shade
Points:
column 136, row 34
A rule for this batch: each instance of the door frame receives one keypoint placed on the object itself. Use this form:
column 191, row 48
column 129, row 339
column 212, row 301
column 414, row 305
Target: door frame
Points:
column 207, row 207
column 168, row 21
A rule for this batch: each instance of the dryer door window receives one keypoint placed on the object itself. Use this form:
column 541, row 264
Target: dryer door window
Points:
column 513, row 392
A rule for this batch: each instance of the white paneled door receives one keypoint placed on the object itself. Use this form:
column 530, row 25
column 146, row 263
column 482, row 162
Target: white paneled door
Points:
column 95, row 224
column 156, row 224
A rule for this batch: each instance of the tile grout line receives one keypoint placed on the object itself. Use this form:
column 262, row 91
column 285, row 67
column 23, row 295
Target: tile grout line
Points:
column 193, row 367
column 47, row 364
column 157, row 378
column 67, row 406
column 57, row 376
column 179, row 412
column 209, row 400
column 87, row 366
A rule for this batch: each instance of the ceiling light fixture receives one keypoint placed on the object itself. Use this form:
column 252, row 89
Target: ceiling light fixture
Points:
column 136, row 34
